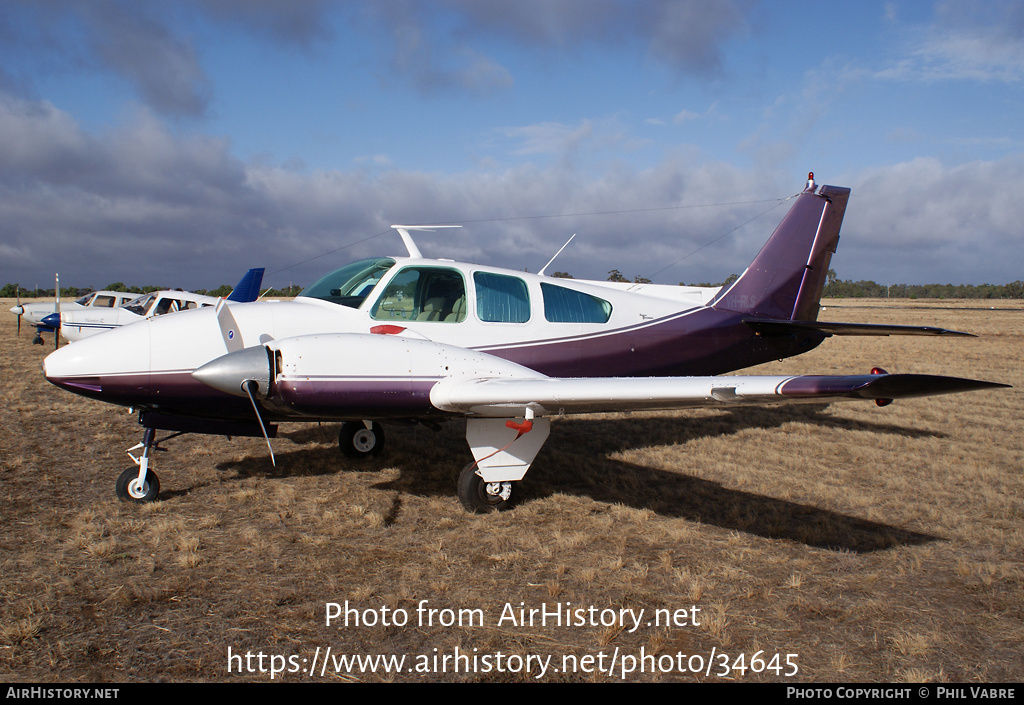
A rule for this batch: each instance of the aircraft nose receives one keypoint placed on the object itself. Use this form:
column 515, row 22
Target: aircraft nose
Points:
column 111, row 366
column 17, row 310
column 53, row 321
column 230, row 372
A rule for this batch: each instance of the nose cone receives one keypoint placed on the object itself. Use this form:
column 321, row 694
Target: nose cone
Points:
column 230, row 372
column 111, row 367
column 17, row 310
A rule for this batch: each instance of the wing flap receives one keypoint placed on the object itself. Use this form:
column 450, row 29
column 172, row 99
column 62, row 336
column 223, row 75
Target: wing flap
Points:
column 504, row 397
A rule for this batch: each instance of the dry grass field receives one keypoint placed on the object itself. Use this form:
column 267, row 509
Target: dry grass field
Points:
column 873, row 544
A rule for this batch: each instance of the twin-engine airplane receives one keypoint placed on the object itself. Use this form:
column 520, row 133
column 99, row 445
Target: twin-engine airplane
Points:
column 408, row 338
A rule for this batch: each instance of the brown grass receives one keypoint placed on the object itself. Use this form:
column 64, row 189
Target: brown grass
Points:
column 878, row 544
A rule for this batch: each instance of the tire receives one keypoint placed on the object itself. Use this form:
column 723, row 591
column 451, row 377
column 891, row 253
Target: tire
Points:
column 128, row 490
column 357, row 441
column 474, row 495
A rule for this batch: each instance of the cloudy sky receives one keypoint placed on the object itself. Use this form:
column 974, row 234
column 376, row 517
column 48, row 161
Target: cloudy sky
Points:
column 179, row 143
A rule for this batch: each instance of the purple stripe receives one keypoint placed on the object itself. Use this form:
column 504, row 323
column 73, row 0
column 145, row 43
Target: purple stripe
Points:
column 358, row 398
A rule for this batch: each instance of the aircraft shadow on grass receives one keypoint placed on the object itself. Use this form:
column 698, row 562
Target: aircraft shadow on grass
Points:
column 424, row 467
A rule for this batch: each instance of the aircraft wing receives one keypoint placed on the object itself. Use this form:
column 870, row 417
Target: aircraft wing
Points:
column 503, row 397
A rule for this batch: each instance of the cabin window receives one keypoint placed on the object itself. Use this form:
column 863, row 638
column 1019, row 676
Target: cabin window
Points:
column 103, row 301
column 434, row 294
column 167, row 306
column 140, row 306
column 350, row 285
column 562, row 305
column 501, row 298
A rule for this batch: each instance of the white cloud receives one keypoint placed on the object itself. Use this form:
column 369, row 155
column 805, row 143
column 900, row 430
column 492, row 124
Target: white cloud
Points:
column 549, row 137
column 981, row 42
column 142, row 205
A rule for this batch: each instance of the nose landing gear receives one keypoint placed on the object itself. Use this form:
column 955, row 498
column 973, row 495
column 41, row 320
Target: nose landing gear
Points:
column 140, row 484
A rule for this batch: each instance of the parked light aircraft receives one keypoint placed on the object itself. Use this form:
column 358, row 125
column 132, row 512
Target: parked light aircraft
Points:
column 410, row 338
column 75, row 325
column 35, row 313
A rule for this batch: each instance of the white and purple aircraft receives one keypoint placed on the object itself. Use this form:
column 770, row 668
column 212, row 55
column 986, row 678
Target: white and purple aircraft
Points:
column 410, row 338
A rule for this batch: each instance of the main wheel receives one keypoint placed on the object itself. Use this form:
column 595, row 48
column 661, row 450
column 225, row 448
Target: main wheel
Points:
column 129, row 489
column 358, row 441
column 482, row 497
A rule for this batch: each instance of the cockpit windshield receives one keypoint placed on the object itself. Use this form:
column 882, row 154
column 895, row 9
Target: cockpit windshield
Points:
column 350, row 285
column 141, row 305
column 84, row 301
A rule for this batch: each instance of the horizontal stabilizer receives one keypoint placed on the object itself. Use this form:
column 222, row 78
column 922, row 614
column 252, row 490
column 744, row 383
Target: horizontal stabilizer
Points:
column 772, row 327
column 503, row 397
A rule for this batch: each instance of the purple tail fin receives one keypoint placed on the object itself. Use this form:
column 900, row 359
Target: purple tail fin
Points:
column 786, row 278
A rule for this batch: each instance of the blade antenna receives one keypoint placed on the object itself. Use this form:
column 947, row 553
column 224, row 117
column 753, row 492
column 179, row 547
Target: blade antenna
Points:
column 541, row 272
column 248, row 390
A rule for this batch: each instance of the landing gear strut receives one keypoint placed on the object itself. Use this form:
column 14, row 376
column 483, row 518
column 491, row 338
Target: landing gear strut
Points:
column 140, row 484
column 482, row 497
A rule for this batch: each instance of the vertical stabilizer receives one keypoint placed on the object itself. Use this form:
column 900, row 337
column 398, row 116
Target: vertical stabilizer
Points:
column 786, row 278
column 248, row 287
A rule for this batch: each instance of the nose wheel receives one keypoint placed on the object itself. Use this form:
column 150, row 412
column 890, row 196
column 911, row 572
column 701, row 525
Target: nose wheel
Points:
column 131, row 489
column 139, row 483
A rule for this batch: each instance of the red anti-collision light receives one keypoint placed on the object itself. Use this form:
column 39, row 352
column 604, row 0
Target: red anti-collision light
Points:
column 880, row 371
column 386, row 330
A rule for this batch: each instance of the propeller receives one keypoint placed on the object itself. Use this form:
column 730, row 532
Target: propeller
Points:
column 21, row 311
column 232, row 337
column 229, row 330
column 248, row 386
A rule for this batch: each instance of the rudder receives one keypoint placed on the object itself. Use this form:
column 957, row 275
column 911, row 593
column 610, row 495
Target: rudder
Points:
column 787, row 277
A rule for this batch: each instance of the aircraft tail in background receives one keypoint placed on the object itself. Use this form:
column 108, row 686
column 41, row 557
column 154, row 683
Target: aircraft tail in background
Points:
column 248, row 287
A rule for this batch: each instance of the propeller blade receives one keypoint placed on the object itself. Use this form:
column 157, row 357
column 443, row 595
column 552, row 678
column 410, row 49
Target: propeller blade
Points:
column 229, row 328
column 248, row 390
column 17, row 292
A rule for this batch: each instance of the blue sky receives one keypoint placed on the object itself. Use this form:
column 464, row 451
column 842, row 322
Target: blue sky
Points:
column 181, row 143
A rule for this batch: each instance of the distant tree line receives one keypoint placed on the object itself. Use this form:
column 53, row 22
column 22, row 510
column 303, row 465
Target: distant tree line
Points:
column 870, row 289
column 834, row 288
column 10, row 291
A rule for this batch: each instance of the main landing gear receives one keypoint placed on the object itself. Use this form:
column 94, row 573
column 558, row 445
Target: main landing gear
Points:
column 361, row 439
column 481, row 497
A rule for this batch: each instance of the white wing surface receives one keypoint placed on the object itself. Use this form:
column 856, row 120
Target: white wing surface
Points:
column 546, row 396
